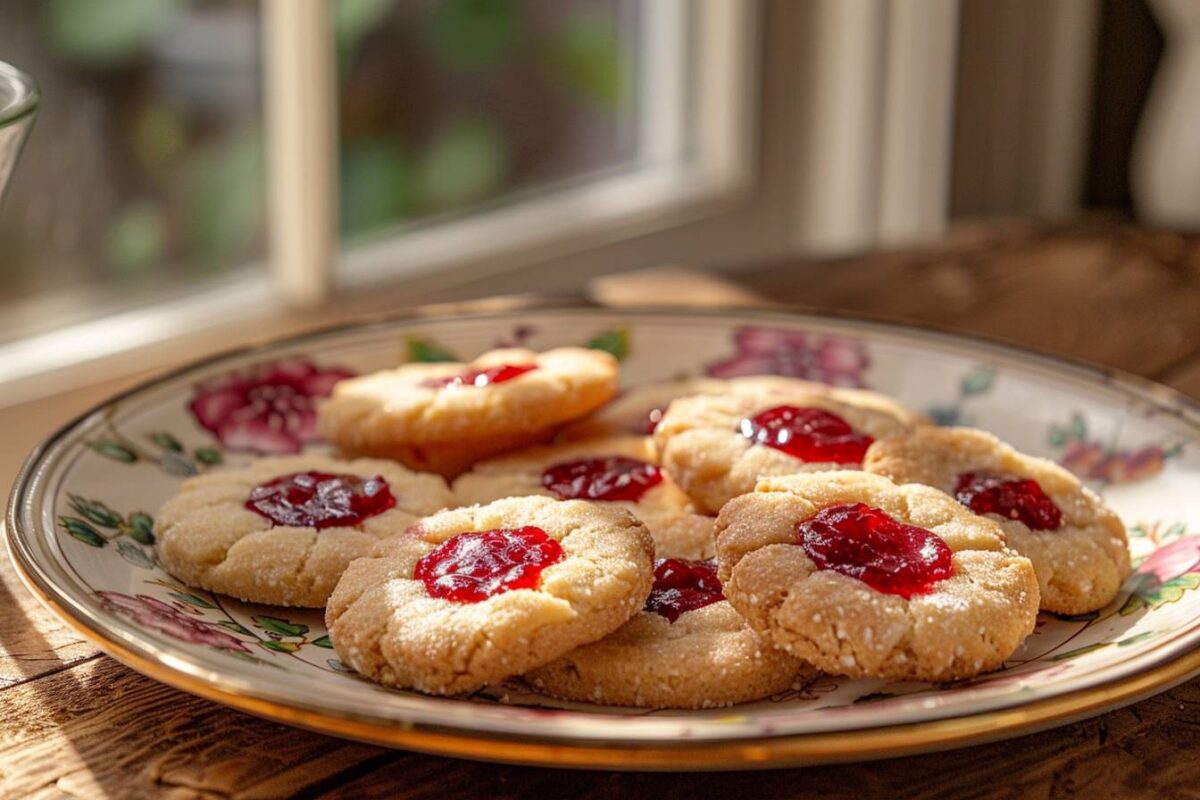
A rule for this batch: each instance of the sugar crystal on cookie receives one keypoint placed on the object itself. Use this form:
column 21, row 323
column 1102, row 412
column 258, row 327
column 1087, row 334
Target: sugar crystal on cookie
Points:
column 481, row 377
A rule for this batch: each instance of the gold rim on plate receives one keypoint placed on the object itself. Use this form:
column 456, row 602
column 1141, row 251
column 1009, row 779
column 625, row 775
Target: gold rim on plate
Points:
column 724, row 753
column 760, row 753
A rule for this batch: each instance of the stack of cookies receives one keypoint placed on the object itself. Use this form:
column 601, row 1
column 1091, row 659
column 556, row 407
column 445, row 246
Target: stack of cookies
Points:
column 690, row 544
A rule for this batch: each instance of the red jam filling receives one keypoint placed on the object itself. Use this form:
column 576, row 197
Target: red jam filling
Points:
column 481, row 377
column 471, row 567
column 320, row 499
column 868, row 544
column 1009, row 496
column 809, row 434
column 681, row 586
column 608, row 478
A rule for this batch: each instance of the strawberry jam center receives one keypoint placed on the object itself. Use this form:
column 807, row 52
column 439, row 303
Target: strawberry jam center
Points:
column 472, row 567
column 608, row 478
column 681, row 586
column 809, row 434
column 1009, row 496
column 320, row 499
column 481, row 377
column 868, row 544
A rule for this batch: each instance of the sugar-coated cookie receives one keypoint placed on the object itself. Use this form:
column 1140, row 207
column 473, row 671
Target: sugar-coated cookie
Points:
column 861, row 577
column 282, row 530
column 1077, row 544
column 716, row 447
column 444, row 417
column 688, row 648
column 621, row 471
column 474, row 595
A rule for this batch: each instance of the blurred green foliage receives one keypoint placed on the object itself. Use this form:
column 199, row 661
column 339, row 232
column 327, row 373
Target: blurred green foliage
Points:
column 390, row 173
column 105, row 33
column 159, row 135
column 137, row 237
column 223, row 194
column 586, row 55
column 377, row 185
column 466, row 162
column 353, row 20
column 473, row 34
column 188, row 182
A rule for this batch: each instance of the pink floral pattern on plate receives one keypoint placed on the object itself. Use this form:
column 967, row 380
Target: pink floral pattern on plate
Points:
column 1165, row 575
column 1090, row 461
column 773, row 351
column 153, row 613
column 267, row 408
column 1171, row 561
column 1107, row 464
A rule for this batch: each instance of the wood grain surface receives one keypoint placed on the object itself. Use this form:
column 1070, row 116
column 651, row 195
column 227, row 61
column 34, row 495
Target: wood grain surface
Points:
column 75, row 723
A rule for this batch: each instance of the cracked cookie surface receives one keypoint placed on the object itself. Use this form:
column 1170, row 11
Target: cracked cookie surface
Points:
column 443, row 417
column 207, row 537
column 701, row 443
column 678, row 532
column 385, row 623
column 1080, row 564
column 965, row 624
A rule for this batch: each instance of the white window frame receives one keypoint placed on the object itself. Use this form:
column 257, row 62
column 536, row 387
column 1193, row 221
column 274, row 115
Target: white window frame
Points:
column 701, row 58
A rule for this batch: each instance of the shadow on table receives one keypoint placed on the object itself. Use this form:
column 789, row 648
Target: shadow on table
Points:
column 35, row 673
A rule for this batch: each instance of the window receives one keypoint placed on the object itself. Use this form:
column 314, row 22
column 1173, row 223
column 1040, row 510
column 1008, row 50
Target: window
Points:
column 143, row 173
column 471, row 136
column 580, row 121
column 444, row 107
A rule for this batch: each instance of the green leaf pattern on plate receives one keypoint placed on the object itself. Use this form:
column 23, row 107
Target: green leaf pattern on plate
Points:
column 97, row 525
column 615, row 341
column 424, row 350
column 165, row 450
column 280, row 626
column 1150, row 593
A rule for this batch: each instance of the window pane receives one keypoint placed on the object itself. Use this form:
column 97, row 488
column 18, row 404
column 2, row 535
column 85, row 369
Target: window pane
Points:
column 143, row 173
column 450, row 104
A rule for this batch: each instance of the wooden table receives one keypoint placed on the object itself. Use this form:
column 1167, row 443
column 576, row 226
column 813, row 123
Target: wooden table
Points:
column 76, row 723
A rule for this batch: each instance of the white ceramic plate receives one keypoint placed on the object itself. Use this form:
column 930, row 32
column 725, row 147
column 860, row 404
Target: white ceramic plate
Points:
column 80, row 528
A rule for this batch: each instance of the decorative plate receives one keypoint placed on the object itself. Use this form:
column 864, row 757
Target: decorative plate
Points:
column 81, row 529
